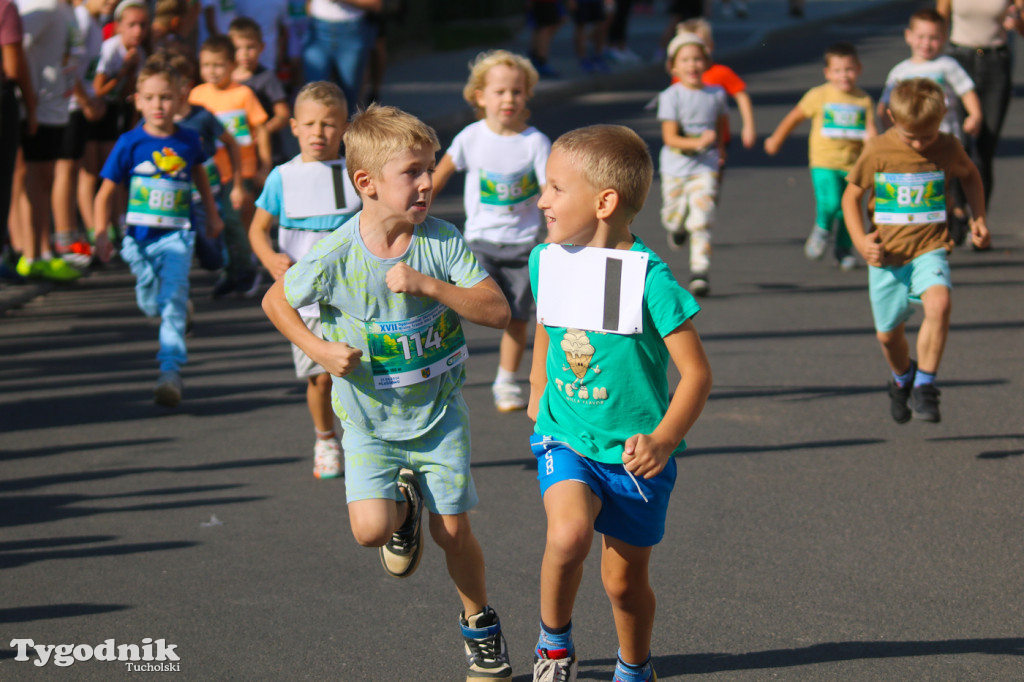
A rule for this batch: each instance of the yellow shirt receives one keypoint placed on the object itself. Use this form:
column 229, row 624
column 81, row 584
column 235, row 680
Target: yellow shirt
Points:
column 838, row 123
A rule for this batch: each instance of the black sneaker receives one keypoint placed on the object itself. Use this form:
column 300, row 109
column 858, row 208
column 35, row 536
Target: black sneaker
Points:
column 676, row 240
column 223, row 286
column 899, row 395
column 699, row 285
column 486, row 652
column 925, row 401
column 401, row 555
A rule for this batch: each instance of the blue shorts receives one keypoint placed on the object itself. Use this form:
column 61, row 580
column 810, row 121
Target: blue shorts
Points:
column 893, row 289
column 633, row 509
column 439, row 457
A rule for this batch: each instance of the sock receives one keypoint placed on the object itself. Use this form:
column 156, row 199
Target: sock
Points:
column 324, row 435
column 922, row 378
column 630, row 671
column 504, row 376
column 904, row 379
column 557, row 641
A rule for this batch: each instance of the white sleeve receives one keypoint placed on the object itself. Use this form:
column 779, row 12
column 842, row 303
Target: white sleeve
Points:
column 667, row 109
column 457, row 151
column 540, row 158
column 958, row 79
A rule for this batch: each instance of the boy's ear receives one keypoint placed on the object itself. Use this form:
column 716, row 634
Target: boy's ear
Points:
column 888, row 115
column 607, row 203
column 477, row 96
column 294, row 126
column 363, row 182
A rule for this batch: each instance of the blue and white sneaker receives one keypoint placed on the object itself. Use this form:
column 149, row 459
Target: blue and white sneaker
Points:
column 486, row 651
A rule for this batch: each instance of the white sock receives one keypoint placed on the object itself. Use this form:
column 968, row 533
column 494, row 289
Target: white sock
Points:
column 504, row 376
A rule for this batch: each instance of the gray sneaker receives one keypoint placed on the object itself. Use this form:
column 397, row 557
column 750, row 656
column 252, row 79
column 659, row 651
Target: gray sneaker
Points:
column 486, row 651
column 816, row 244
column 168, row 389
column 401, row 555
column 548, row 669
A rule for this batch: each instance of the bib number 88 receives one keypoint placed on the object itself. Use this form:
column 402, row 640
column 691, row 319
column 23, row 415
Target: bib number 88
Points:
column 160, row 199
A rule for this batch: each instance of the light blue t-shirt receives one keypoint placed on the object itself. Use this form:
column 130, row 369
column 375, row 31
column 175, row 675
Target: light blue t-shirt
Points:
column 603, row 388
column 343, row 202
column 348, row 281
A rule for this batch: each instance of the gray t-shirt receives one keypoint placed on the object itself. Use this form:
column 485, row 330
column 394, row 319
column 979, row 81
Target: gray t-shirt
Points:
column 945, row 71
column 695, row 111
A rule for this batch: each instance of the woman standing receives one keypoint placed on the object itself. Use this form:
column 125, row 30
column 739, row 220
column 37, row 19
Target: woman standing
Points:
column 978, row 40
column 340, row 38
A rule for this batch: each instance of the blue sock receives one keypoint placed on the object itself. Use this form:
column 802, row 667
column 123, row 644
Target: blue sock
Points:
column 557, row 641
column 628, row 672
column 922, row 378
column 904, row 379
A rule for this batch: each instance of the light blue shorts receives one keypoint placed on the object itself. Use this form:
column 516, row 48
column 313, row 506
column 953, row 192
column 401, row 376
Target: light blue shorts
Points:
column 439, row 457
column 633, row 509
column 893, row 289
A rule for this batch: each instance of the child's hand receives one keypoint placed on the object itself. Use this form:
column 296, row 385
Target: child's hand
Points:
column 338, row 358
column 972, row 125
column 771, row 145
column 131, row 56
column 871, row 250
column 644, row 456
column 402, row 279
column 237, row 196
column 706, row 139
column 214, row 226
column 749, row 137
column 102, row 248
column 278, row 265
column 980, row 236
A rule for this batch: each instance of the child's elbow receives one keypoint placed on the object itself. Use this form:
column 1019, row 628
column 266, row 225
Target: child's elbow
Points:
column 502, row 315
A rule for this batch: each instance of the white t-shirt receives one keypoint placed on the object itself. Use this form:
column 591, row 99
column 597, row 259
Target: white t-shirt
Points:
column 112, row 55
column 945, row 71
column 270, row 15
column 504, row 178
column 333, row 10
column 695, row 111
column 50, row 34
column 87, row 55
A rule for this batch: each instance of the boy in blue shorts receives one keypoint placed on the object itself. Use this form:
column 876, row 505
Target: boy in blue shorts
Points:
column 606, row 431
column 309, row 197
column 159, row 161
column 906, row 171
column 392, row 284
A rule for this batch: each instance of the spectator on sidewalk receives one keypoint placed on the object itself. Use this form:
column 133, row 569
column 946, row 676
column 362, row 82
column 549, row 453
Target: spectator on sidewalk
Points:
column 544, row 17
column 340, row 39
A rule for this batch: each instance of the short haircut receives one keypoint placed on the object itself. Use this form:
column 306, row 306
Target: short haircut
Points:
column 917, row 102
column 379, row 134
column 484, row 62
column 322, row 92
column 126, row 5
column 700, row 27
column 183, row 64
column 929, row 15
column 160, row 64
column 244, row 27
column 841, row 49
column 610, row 157
column 219, row 44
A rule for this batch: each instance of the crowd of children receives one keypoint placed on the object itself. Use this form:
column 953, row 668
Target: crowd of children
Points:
column 386, row 358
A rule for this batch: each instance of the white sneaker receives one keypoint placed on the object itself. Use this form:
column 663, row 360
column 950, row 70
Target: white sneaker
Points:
column 816, row 244
column 327, row 458
column 168, row 389
column 508, row 396
column 848, row 262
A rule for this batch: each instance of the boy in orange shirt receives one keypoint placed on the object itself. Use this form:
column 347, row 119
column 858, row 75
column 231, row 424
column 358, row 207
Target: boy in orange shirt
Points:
column 240, row 111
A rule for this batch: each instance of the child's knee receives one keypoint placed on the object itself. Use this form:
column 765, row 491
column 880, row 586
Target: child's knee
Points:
column 937, row 303
column 370, row 532
column 625, row 587
column 570, row 538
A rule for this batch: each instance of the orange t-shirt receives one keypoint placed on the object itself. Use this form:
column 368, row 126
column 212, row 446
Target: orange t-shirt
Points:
column 240, row 111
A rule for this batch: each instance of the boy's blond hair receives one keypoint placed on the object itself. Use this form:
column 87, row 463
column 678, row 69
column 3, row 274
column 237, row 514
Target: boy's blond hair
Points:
column 700, row 27
column 917, row 102
column 484, row 62
column 322, row 92
column 610, row 157
column 379, row 134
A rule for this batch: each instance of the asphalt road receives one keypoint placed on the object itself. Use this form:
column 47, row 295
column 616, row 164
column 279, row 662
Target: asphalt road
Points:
column 809, row 536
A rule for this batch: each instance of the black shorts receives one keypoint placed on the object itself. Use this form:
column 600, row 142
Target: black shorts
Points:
column 44, row 145
column 546, row 13
column 76, row 134
column 509, row 267
column 119, row 119
column 589, row 13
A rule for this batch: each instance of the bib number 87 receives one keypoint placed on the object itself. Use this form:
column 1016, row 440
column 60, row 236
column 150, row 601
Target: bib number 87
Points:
column 909, row 195
column 433, row 340
column 162, row 199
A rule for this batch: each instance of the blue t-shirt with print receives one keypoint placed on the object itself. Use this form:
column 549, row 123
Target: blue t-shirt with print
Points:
column 206, row 125
column 158, row 174
column 348, row 281
column 602, row 388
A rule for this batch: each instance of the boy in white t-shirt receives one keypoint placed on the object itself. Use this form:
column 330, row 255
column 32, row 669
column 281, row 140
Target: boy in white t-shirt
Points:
column 504, row 160
column 296, row 195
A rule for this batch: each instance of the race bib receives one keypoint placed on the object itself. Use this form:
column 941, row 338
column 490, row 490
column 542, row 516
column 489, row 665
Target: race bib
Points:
column 408, row 352
column 318, row 188
column 156, row 202
column 910, row 198
column 844, row 121
column 236, row 123
column 503, row 191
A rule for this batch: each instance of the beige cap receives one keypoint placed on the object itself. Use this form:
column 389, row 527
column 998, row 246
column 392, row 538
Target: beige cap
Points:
column 684, row 38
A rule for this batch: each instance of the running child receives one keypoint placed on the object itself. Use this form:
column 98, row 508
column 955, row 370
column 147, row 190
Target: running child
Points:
column 906, row 172
column 298, row 195
column 158, row 162
column 606, row 432
column 395, row 347
column 504, row 159
column 842, row 118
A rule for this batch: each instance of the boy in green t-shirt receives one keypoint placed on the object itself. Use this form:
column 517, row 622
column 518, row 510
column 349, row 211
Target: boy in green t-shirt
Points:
column 606, row 430
column 841, row 120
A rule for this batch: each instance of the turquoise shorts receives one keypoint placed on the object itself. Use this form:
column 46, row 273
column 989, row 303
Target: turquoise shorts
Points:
column 439, row 457
column 894, row 289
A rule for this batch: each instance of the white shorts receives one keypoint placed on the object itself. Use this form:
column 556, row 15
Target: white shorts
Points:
column 304, row 366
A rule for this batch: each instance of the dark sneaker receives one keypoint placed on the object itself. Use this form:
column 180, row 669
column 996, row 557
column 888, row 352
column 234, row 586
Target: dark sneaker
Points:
column 168, row 390
column 676, row 240
column 898, row 397
column 925, row 401
column 223, row 286
column 699, row 285
column 401, row 555
column 554, row 666
column 486, row 651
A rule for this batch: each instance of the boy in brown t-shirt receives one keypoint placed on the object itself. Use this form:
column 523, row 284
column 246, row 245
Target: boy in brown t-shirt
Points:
column 905, row 171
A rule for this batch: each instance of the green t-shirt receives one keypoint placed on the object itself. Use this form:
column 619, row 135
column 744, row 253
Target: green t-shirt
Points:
column 603, row 388
column 413, row 348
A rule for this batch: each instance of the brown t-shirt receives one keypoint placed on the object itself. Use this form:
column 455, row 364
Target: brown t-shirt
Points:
column 911, row 213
